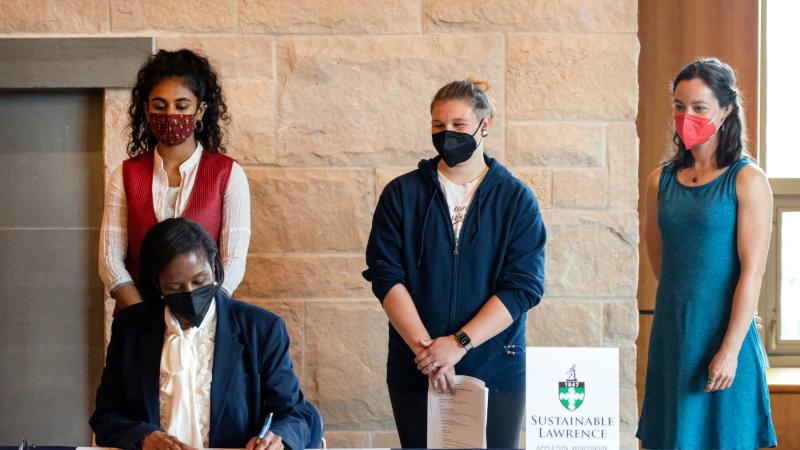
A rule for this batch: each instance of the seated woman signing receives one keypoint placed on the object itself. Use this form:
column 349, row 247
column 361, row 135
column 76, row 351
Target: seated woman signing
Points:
column 191, row 367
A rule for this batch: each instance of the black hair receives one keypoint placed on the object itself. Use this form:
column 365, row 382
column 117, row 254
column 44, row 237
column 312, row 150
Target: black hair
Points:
column 720, row 78
column 195, row 71
column 167, row 240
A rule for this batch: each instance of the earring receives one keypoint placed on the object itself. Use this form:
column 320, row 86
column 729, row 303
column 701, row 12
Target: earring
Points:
column 198, row 125
column 722, row 127
column 484, row 133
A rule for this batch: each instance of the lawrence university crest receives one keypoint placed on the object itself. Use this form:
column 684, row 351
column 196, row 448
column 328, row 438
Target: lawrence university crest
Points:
column 571, row 392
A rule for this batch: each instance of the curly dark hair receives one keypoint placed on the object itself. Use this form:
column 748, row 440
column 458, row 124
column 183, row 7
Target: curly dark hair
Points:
column 199, row 77
column 732, row 132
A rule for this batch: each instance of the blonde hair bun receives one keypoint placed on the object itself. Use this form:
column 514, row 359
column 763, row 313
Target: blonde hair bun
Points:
column 483, row 85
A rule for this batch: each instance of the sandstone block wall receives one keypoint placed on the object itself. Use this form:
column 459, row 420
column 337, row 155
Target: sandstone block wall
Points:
column 329, row 101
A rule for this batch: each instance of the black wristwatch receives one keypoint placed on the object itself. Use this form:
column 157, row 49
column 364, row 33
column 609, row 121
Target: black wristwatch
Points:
column 463, row 340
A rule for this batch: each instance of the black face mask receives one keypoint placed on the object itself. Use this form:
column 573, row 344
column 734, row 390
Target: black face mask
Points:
column 455, row 147
column 191, row 306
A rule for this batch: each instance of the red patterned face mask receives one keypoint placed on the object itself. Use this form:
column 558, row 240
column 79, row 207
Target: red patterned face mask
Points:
column 171, row 129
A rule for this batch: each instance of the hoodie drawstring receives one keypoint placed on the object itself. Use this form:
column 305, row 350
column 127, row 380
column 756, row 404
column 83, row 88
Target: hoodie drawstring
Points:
column 424, row 228
column 477, row 219
column 428, row 168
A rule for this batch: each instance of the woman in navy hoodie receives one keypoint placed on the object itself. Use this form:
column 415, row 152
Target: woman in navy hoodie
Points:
column 456, row 257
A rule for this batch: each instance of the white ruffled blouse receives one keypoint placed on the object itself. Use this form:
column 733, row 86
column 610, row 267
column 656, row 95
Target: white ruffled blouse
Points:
column 187, row 361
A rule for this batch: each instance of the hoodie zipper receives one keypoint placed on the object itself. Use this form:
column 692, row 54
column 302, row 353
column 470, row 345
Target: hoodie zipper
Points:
column 456, row 245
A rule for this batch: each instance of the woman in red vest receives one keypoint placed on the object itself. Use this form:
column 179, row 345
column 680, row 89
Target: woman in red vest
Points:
column 176, row 169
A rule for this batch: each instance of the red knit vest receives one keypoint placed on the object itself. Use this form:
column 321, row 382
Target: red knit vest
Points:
column 204, row 206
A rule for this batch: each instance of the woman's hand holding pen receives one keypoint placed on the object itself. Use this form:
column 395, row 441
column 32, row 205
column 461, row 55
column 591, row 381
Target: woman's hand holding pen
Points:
column 266, row 440
column 269, row 442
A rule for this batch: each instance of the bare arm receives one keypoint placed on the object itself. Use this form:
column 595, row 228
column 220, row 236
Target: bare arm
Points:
column 445, row 351
column 652, row 234
column 754, row 226
column 490, row 321
column 404, row 317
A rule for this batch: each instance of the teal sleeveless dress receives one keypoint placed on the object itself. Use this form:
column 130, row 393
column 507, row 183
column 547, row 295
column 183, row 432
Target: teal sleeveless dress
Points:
column 699, row 272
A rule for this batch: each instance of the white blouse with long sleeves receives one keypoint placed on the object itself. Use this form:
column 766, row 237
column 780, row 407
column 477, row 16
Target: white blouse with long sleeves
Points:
column 169, row 202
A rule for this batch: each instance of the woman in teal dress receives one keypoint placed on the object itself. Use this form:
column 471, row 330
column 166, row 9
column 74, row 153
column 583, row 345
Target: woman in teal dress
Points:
column 707, row 230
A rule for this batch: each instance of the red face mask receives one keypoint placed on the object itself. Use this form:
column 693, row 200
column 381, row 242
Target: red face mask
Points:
column 171, row 129
column 694, row 130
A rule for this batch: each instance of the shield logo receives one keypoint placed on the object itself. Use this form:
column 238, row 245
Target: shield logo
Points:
column 571, row 392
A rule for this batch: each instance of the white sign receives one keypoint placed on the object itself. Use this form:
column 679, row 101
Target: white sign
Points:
column 572, row 398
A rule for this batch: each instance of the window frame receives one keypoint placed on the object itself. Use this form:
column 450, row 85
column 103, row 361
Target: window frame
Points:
column 786, row 197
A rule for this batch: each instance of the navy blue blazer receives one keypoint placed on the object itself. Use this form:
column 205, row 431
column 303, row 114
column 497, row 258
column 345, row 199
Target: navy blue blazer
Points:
column 252, row 376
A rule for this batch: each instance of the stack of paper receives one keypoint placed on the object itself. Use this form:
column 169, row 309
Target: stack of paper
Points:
column 458, row 420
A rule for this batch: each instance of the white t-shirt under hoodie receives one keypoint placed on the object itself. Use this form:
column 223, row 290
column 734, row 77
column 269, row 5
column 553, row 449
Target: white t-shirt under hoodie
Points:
column 458, row 197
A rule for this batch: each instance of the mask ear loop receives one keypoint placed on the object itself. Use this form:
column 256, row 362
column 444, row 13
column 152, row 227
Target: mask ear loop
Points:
column 219, row 277
column 484, row 133
column 158, row 288
column 479, row 127
column 722, row 122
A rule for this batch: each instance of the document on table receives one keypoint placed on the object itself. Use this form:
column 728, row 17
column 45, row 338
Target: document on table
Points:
column 458, row 420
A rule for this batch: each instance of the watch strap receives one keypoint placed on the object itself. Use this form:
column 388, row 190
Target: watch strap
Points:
column 463, row 340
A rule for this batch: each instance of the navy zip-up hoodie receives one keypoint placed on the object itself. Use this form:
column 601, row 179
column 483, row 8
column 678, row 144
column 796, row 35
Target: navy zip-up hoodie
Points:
column 500, row 252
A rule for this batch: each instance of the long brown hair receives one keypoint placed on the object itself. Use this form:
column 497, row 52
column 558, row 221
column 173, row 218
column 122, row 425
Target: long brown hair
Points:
column 719, row 77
